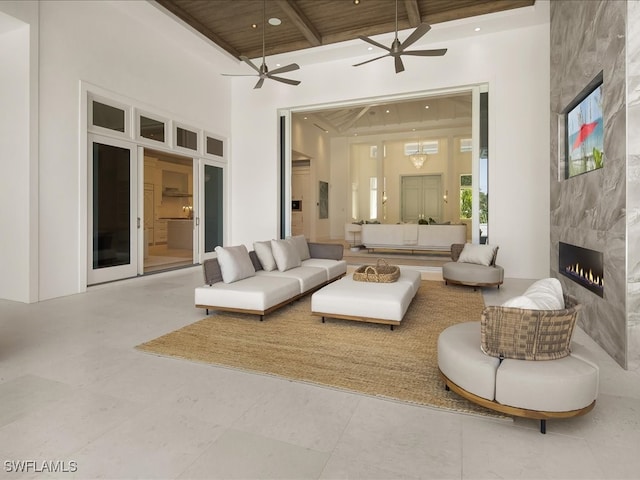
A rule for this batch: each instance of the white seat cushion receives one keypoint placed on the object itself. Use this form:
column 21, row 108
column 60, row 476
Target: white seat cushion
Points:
column 308, row 277
column 462, row 361
column 560, row 385
column 254, row 293
column 334, row 268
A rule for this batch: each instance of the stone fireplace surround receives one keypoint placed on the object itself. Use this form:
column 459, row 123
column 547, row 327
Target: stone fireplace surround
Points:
column 600, row 210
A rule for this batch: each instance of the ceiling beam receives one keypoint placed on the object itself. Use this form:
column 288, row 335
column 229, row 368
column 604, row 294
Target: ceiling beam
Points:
column 197, row 25
column 301, row 22
column 413, row 12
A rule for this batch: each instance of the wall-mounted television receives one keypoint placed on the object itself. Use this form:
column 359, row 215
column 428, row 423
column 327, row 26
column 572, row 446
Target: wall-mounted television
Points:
column 584, row 130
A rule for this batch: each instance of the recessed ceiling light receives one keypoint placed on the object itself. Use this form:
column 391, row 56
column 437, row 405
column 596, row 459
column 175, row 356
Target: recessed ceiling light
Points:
column 254, row 25
column 356, row 2
column 275, row 21
column 426, row 106
column 370, row 48
column 477, row 29
column 387, row 111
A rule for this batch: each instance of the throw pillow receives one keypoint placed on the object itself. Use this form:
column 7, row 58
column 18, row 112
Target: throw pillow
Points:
column 521, row 302
column 546, row 294
column 285, row 254
column 265, row 255
column 235, row 263
column 479, row 254
column 300, row 242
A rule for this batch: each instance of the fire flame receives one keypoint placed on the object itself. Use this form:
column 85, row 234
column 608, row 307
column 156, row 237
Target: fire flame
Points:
column 586, row 276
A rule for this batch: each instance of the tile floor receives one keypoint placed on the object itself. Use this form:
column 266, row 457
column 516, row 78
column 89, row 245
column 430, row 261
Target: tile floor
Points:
column 75, row 395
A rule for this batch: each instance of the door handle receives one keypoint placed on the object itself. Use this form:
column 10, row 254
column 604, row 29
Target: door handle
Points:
column 197, row 221
column 138, row 222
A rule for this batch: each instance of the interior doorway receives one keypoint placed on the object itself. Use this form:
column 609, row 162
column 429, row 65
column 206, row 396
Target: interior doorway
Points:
column 169, row 229
column 301, row 198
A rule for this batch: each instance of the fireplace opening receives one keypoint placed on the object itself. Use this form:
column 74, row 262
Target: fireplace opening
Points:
column 583, row 266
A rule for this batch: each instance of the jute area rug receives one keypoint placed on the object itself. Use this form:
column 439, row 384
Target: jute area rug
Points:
column 355, row 356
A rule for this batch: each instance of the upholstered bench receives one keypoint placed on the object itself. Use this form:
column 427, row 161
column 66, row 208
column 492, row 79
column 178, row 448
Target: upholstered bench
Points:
column 384, row 303
column 544, row 378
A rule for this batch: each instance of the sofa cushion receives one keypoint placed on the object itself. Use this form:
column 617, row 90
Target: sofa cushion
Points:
column 300, row 242
column 308, row 278
column 285, row 254
column 460, row 359
column 479, row 254
column 235, row 263
column 566, row 384
column 334, row 268
column 265, row 255
column 257, row 293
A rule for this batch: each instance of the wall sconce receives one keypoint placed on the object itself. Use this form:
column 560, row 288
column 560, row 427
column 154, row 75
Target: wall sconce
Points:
column 445, row 197
column 418, row 160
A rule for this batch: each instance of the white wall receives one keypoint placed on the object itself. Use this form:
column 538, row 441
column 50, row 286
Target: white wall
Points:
column 138, row 52
column 514, row 64
column 19, row 152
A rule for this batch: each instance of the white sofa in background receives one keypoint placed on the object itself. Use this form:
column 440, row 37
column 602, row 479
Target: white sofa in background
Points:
column 411, row 236
column 274, row 274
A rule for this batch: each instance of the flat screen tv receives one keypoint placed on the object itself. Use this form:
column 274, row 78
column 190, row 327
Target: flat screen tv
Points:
column 584, row 130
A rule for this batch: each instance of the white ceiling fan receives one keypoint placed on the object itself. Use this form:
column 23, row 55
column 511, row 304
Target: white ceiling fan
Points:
column 263, row 72
column 397, row 48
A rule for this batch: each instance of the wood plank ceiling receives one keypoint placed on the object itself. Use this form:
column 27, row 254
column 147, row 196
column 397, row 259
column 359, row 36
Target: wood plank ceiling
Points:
column 236, row 25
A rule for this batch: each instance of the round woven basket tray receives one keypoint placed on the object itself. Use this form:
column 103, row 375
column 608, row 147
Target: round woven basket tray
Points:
column 381, row 272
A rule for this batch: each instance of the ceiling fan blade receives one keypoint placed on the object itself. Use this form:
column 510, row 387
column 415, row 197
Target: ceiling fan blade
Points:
column 416, row 35
column 286, row 68
column 399, row 64
column 372, row 60
column 259, row 84
column 373, row 42
column 250, row 63
column 426, row 53
column 284, row 80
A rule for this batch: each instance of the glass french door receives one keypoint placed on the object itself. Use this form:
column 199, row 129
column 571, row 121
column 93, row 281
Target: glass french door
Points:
column 113, row 210
column 210, row 219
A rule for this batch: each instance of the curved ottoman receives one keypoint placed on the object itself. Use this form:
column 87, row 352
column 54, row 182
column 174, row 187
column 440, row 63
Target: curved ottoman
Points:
column 543, row 389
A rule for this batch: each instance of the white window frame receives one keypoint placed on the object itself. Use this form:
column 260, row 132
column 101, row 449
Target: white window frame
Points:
column 185, row 150
column 149, row 141
column 111, row 103
column 225, row 147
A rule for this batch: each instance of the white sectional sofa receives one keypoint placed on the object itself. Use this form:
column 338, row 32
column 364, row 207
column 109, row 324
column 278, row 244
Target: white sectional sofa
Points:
column 411, row 236
column 275, row 273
